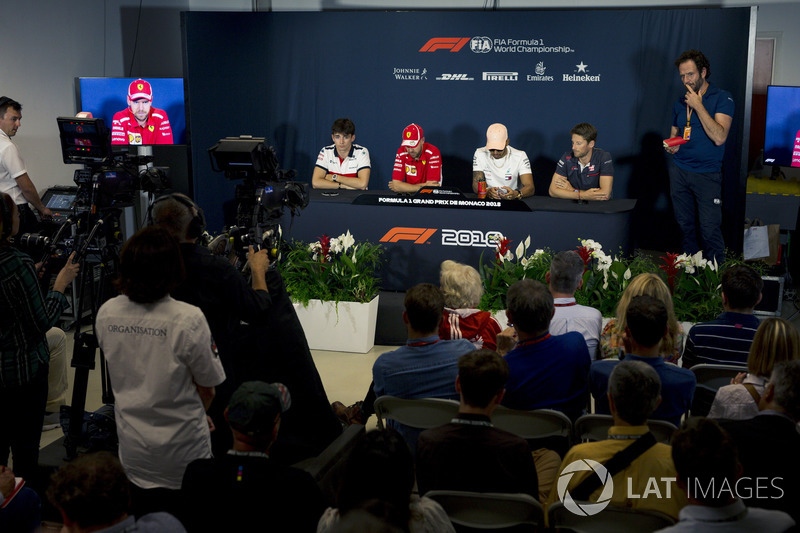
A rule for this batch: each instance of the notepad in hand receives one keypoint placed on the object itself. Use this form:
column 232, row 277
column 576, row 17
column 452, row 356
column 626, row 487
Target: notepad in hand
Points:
column 674, row 141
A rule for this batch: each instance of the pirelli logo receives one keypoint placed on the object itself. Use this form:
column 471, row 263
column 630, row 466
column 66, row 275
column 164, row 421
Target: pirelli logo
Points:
column 418, row 235
column 454, row 44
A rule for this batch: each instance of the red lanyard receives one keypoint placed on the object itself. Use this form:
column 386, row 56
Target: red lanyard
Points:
column 415, row 344
column 531, row 342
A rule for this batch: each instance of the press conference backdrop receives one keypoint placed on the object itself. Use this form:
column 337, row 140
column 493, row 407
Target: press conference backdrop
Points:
column 287, row 76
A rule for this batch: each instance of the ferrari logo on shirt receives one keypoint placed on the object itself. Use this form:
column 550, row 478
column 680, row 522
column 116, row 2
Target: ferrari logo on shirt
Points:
column 411, row 171
column 423, row 162
column 151, row 127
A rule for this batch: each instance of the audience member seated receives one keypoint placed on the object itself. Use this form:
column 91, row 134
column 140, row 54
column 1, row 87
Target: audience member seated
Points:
column 710, row 475
column 776, row 341
column 163, row 369
column 564, row 278
column 644, row 477
column 57, row 384
column 670, row 347
column 25, row 317
column 768, row 443
column 545, row 371
column 245, row 490
column 426, row 367
column 93, row 494
column 379, row 477
column 469, row 453
column 645, row 329
column 726, row 340
column 462, row 289
column 21, row 510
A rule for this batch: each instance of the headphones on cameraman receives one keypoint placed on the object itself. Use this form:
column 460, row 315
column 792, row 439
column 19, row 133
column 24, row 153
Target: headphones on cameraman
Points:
column 198, row 222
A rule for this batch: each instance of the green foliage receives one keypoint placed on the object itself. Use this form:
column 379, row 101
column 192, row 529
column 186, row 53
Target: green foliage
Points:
column 694, row 281
column 602, row 288
column 332, row 270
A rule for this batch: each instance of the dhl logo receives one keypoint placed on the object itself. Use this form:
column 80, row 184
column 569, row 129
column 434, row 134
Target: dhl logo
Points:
column 454, row 44
column 418, row 235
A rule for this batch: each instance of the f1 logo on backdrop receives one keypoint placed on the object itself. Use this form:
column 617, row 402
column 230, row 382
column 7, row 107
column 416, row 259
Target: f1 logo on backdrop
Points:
column 418, row 235
column 450, row 237
column 454, row 44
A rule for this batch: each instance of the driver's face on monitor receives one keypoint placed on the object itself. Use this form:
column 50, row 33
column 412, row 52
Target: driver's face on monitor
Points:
column 140, row 109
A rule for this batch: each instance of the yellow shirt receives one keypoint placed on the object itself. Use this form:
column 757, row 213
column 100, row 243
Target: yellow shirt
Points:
column 647, row 483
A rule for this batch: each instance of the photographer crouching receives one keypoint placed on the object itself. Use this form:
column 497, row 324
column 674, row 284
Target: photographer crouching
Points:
column 257, row 333
column 25, row 317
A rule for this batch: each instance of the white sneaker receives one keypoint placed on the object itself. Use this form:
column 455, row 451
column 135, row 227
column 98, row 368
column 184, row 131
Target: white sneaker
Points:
column 51, row 421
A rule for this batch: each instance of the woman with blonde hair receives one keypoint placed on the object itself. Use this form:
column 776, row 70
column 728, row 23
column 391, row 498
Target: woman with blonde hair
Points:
column 462, row 289
column 670, row 347
column 776, row 341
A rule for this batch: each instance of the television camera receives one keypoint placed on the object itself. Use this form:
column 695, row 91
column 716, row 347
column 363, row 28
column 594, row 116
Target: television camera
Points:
column 106, row 184
column 261, row 198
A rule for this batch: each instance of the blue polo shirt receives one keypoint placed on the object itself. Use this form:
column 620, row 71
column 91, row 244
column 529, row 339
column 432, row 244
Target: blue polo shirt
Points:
column 700, row 154
column 549, row 372
column 677, row 387
column 423, row 368
column 600, row 164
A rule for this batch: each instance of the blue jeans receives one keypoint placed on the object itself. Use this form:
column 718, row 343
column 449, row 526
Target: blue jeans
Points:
column 697, row 198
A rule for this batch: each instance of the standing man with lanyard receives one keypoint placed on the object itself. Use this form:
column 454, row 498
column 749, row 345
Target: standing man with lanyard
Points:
column 696, row 175
column 14, row 178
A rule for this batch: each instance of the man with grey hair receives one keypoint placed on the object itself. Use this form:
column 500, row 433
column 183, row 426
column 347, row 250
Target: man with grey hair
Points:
column 644, row 475
column 768, row 442
column 545, row 371
column 564, row 278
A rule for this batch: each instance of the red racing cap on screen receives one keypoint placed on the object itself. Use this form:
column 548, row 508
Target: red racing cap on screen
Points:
column 140, row 89
column 412, row 135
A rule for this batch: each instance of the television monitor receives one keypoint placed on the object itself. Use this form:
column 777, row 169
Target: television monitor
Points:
column 84, row 140
column 782, row 132
column 105, row 97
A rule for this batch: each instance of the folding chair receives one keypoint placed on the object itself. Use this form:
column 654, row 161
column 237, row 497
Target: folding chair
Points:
column 595, row 427
column 545, row 427
column 421, row 413
column 610, row 520
column 709, row 380
column 490, row 510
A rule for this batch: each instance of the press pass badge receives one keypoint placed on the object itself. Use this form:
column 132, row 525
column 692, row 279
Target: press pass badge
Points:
column 687, row 132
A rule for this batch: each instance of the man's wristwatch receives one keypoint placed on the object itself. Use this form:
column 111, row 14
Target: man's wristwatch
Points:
column 335, row 178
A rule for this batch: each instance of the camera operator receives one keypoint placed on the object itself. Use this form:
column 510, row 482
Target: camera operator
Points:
column 257, row 333
column 25, row 317
column 14, row 178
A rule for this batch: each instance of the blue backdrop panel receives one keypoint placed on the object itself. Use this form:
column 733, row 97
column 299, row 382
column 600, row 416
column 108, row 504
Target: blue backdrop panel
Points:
column 288, row 76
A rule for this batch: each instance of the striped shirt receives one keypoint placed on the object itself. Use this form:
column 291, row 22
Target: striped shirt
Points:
column 25, row 316
column 723, row 341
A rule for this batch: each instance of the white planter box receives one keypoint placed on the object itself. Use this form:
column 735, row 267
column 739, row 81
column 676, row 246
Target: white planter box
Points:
column 348, row 327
